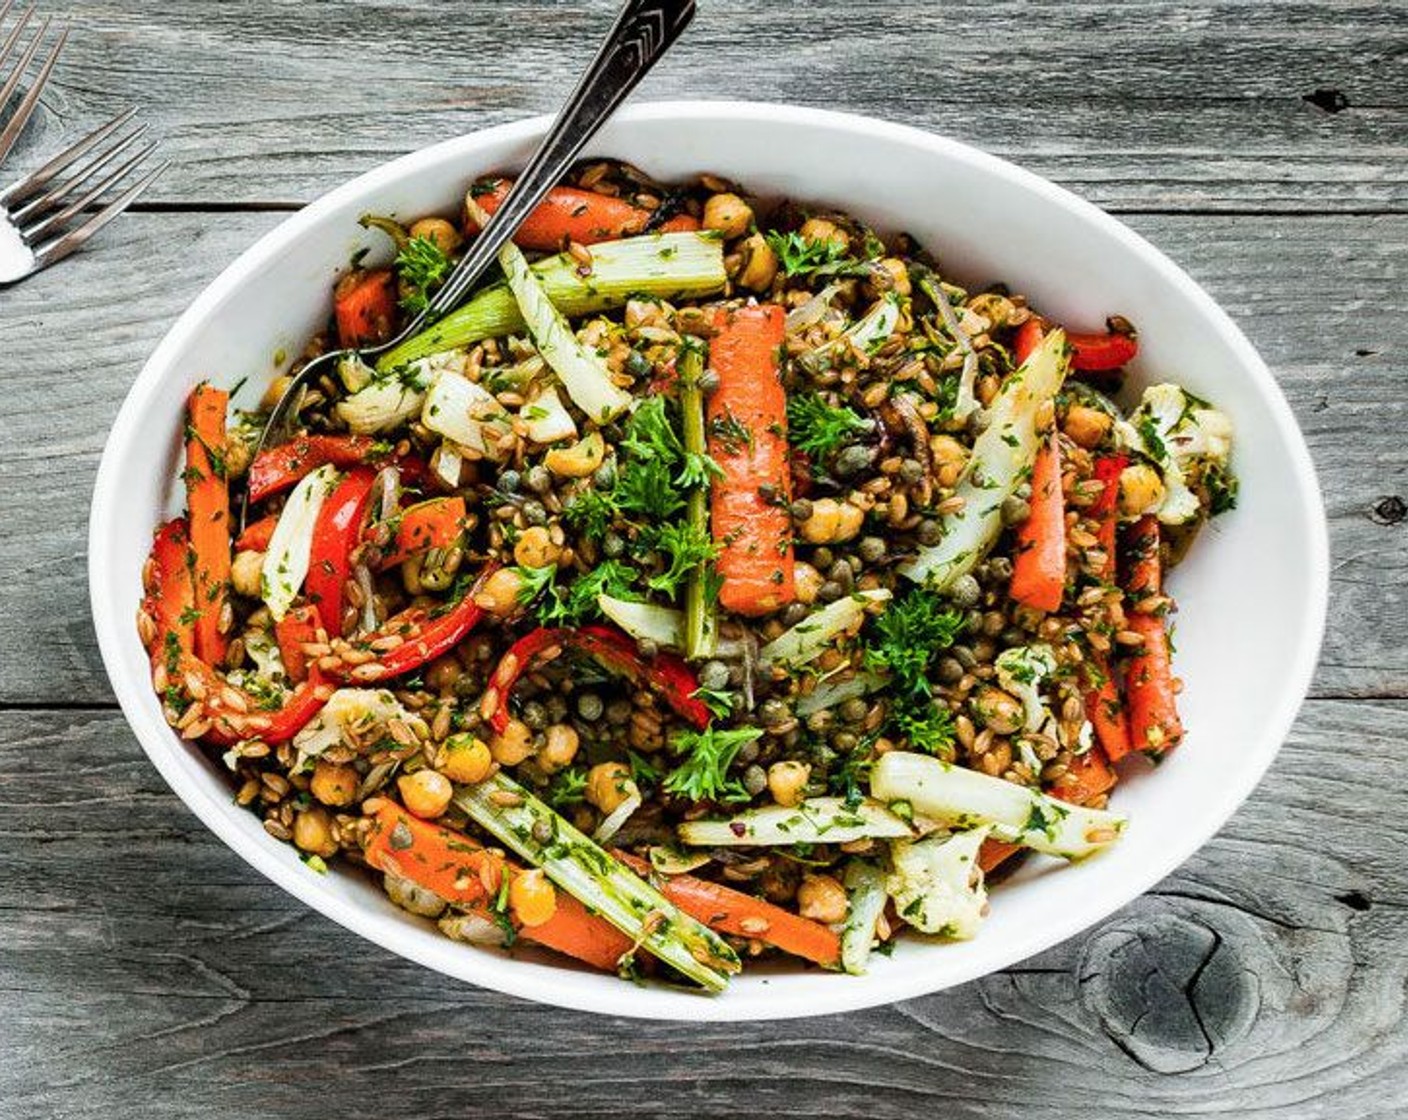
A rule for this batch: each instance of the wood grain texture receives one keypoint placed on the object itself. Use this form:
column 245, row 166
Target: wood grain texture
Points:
column 1148, row 105
column 1322, row 297
column 145, row 970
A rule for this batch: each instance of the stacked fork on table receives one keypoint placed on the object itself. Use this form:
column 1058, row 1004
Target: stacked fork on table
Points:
column 52, row 211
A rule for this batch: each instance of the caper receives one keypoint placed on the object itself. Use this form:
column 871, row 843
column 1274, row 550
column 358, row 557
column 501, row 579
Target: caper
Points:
column 604, row 477
column 823, row 558
column 1012, row 636
column 774, row 712
column 950, row 670
column 755, row 780
column 984, row 649
column 964, row 656
column 820, row 721
column 538, row 479
column 1000, row 569
column 534, row 512
column 714, row 675
column 535, row 715
column 556, row 705
column 965, row 591
column 929, row 532
column 854, row 709
column 619, row 712
column 845, row 741
column 638, row 365
column 509, row 481
column 794, row 613
column 748, row 753
column 830, row 591
column 1015, row 510
column 589, row 706
column 871, row 549
column 851, row 460
column 994, row 623
column 801, row 510
column 613, row 544
column 911, row 471
column 842, row 573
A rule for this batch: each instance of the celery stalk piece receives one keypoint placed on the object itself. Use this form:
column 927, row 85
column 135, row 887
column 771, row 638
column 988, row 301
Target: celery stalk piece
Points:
column 817, row 820
column 672, row 266
column 816, row 633
column 961, row 798
column 700, row 624
column 1002, row 459
column 598, row 880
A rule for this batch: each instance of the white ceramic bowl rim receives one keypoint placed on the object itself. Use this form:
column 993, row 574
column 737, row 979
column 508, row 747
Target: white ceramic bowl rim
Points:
column 115, row 630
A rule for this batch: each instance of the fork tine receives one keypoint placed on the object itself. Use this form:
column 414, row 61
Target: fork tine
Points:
column 53, row 222
column 30, row 50
column 59, row 193
column 31, row 98
column 14, row 36
column 25, row 187
column 61, row 247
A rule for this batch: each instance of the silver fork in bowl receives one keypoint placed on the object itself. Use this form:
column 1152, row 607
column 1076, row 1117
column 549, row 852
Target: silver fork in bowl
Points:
column 643, row 31
column 38, row 213
column 11, row 128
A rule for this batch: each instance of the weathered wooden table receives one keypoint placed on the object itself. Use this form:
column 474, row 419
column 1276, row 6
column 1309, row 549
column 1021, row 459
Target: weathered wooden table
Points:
column 146, row 971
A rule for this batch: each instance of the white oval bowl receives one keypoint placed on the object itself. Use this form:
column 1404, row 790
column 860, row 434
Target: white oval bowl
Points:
column 1252, row 594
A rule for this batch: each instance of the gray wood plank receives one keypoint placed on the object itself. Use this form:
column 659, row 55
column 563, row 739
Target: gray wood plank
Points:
column 145, row 970
column 1321, row 296
column 1140, row 105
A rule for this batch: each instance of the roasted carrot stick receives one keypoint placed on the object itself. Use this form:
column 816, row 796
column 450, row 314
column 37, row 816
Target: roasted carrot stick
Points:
column 460, row 870
column 1105, row 709
column 569, row 214
column 747, row 417
column 208, row 502
column 1039, row 569
column 170, row 591
column 733, row 912
column 1145, row 567
column 1154, row 726
column 1087, row 776
column 436, row 523
column 365, row 306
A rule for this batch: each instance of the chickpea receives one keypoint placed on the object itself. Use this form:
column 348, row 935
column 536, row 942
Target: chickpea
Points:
column 426, row 793
column 950, row 457
column 560, row 748
column 513, row 744
column 822, row 899
column 334, row 784
column 500, row 593
column 609, row 784
column 820, row 527
column 787, row 780
column 277, row 388
column 247, row 573
column 728, row 214
column 808, row 581
column 444, row 234
column 1087, row 426
column 466, row 759
column 531, row 898
column 899, row 274
column 442, row 674
column 312, row 832
column 1141, row 489
column 759, row 264
column 822, row 229
column 535, row 549
column 999, row 710
column 579, row 460
column 852, row 518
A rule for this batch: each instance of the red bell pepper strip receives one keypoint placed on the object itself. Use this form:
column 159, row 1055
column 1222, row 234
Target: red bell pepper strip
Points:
column 295, row 630
column 1028, row 338
column 257, row 535
column 1039, row 569
column 208, row 503
column 665, row 673
column 570, row 214
column 337, row 532
column 437, row 523
column 365, row 306
column 747, row 434
column 278, row 468
column 235, row 714
column 1100, row 353
column 425, row 635
column 170, row 591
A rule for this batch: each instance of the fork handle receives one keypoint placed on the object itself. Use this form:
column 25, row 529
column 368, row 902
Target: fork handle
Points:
column 643, row 32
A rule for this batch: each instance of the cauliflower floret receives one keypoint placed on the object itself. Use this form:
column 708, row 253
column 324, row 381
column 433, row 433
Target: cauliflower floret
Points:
column 345, row 708
column 1022, row 670
column 937, row 884
column 1183, row 436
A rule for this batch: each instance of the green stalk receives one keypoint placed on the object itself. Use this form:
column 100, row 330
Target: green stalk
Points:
column 598, row 880
column 700, row 625
column 668, row 265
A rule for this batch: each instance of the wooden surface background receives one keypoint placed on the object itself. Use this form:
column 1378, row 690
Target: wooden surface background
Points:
column 146, row 971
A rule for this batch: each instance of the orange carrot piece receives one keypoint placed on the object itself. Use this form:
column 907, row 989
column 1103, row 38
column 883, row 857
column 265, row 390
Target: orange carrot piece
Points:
column 258, row 534
column 1154, row 726
column 729, row 911
column 1039, row 570
column 461, row 870
column 365, row 306
column 208, row 502
column 747, row 421
column 1105, row 709
column 1087, row 776
column 295, row 630
column 436, row 523
column 569, row 214
column 995, row 852
column 1145, row 576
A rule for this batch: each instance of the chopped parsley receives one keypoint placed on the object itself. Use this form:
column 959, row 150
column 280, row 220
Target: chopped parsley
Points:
column 908, row 636
column 819, row 428
column 422, row 267
column 702, row 774
column 577, row 602
column 804, row 256
column 687, row 546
